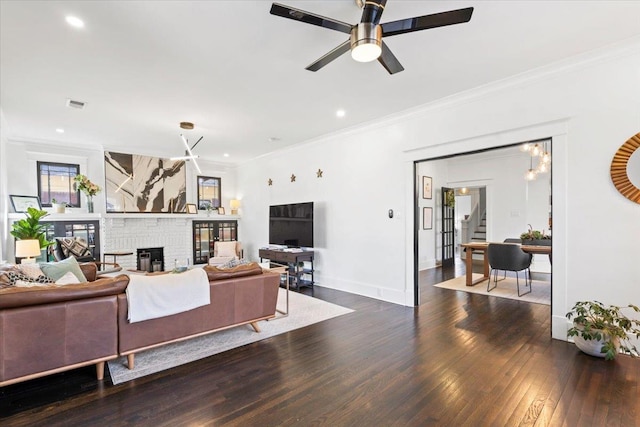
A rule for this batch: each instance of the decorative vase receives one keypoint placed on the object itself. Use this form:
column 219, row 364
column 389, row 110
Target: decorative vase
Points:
column 90, row 204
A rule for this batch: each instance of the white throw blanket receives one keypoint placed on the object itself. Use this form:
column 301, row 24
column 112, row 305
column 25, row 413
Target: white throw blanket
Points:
column 150, row 297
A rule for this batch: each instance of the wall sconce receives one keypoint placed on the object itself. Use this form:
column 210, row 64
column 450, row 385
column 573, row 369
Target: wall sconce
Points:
column 27, row 249
column 235, row 204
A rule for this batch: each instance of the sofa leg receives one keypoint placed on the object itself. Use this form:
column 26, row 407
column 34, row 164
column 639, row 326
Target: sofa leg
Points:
column 130, row 360
column 100, row 370
column 255, row 326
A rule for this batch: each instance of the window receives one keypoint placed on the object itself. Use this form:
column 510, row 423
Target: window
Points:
column 55, row 181
column 209, row 191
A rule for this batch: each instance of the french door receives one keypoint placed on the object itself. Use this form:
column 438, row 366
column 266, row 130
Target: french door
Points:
column 448, row 226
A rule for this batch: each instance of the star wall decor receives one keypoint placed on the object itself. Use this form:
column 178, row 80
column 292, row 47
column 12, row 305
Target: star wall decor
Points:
column 270, row 182
column 293, row 178
column 319, row 173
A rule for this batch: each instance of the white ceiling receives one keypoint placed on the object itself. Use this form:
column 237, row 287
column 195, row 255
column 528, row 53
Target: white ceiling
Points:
column 238, row 72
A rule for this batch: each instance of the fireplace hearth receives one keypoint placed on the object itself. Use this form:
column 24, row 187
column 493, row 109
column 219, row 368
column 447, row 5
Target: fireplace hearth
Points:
column 150, row 259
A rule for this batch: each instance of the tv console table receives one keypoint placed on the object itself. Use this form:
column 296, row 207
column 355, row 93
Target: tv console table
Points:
column 293, row 260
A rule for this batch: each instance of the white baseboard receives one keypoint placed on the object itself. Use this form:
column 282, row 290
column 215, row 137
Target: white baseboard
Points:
column 427, row 264
column 559, row 327
column 365, row 289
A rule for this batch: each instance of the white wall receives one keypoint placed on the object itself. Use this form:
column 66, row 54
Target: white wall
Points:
column 590, row 108
column 429, row 245
column 4, row 194
column 358, row 247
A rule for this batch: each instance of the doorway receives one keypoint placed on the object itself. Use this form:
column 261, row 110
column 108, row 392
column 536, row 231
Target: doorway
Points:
column 508, row 205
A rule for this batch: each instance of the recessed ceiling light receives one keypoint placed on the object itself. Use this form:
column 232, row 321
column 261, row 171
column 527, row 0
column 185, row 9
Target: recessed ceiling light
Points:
column 60, row 130
column 74, row 22
column 340, row 113
column 226, row 154
column 273, row 139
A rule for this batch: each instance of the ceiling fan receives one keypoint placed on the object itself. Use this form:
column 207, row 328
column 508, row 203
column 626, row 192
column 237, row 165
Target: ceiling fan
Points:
column 188, row 153
column 366, row 42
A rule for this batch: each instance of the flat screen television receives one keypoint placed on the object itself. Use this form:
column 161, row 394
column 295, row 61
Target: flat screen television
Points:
column 291, row 225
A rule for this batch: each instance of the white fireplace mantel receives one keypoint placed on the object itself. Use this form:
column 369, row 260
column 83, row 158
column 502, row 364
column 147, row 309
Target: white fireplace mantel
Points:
column 72, row 216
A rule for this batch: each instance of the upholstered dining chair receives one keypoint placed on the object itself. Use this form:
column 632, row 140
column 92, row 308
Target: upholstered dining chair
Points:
column 508, row 257
column 66, row 247
column 223, row 252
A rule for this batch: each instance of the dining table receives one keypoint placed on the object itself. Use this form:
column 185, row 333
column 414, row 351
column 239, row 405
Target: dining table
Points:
column 472, row 247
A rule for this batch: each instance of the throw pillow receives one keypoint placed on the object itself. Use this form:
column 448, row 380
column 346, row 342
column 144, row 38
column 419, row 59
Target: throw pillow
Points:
column 68, row 279
column 56, row 270
column 226, row 248
column 246, row 269
column 26, row 284
column 74, row 246
column 14, row 278
column 32, row 270
column 234, row 263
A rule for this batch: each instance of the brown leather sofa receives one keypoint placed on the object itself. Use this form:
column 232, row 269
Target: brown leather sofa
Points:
column 50, row 329
column 243, row 295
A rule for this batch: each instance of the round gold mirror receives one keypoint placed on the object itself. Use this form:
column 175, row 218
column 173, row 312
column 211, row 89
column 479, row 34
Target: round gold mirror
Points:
column 625, row 169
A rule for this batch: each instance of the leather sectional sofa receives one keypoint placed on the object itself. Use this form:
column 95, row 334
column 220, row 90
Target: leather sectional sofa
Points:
column 239, row 296
column 48, row 329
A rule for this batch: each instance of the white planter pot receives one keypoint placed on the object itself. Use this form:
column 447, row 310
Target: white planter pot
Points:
column 59, row 207
column 592, row 347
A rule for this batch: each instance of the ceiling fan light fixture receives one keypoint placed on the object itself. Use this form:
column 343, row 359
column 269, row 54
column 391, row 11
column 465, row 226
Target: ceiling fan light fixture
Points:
column 366, row 42
column 186, row 125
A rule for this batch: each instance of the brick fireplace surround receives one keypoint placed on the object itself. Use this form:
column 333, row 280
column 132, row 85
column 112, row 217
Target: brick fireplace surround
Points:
column 174, row 234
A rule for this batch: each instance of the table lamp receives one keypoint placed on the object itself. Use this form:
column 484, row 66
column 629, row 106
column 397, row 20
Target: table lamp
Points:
column 235, row 204
column 27, row 249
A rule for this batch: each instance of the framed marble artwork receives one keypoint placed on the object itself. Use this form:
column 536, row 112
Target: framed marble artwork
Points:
column 144, row 184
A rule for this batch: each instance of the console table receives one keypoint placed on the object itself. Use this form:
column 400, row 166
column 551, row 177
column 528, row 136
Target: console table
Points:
column 293, row 260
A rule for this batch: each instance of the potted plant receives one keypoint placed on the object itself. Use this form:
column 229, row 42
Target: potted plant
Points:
column 535, row 237
column 450, row 199
column 30, row 228
column 603, row 331
column 58, row 206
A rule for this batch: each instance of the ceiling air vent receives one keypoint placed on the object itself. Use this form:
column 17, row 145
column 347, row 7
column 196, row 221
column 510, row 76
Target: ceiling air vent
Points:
column 75, row 104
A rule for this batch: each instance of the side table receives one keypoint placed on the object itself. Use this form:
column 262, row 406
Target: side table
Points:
column 115, row 255
column 282, row 269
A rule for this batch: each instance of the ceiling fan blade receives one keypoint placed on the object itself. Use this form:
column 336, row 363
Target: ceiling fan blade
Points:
column 389, row 60
column 309, row 18
column 435, row 20
column 344, row 47
column 372, row 11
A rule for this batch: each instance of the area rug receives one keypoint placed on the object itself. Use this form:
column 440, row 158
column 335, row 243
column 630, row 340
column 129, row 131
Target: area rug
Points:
column 540, row 289
column 303, row 311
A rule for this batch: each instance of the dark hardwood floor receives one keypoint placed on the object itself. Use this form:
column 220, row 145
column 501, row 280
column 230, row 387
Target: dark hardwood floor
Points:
column 458, row 360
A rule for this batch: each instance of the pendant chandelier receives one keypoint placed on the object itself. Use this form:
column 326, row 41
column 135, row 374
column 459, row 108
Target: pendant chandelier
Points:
column 540, row 152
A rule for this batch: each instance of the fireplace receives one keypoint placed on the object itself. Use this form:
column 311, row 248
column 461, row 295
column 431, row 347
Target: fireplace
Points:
column 150, row 259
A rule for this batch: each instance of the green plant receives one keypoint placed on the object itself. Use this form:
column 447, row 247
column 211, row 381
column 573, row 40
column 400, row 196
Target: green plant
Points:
column 534, row 234
column 450, row 199
column 592, row 320
column 30, row 227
